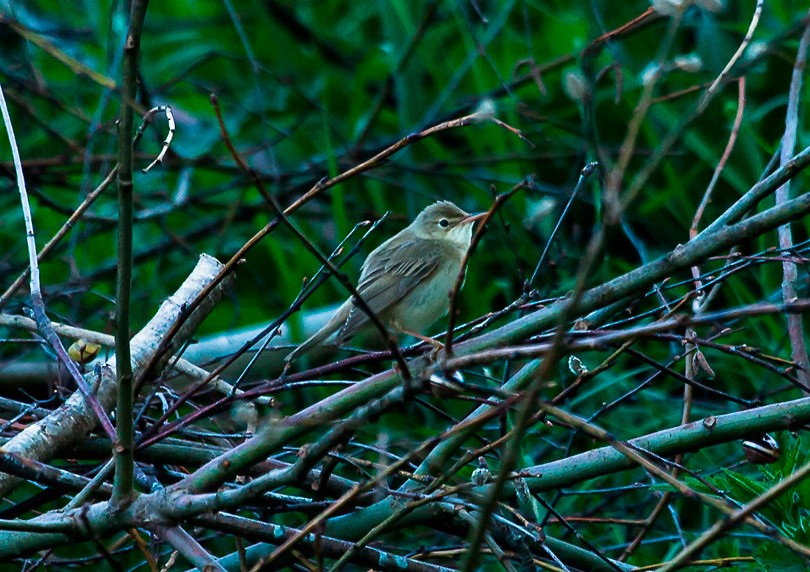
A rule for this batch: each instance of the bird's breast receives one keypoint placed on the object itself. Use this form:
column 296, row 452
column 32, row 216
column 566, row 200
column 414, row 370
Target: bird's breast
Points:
column 429, row 301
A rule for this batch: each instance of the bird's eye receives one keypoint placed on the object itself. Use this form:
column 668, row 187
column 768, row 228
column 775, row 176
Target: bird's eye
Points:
column 444, row 223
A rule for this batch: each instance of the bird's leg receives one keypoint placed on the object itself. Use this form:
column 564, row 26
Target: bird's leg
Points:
column 437, row 345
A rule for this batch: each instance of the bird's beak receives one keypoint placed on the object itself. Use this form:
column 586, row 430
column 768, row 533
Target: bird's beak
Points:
column 472, row 218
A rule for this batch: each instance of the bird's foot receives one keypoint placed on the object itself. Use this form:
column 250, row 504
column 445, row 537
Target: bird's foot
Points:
column 437, row 345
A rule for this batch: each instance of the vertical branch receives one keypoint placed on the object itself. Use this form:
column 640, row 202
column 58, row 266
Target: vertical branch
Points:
column 122, row 448
column 789, row 271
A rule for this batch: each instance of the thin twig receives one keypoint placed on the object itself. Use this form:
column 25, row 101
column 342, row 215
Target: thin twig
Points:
column 69, row 223
column 37, row 302
column 709, row 93
column 152, row 434
column 389, row 340
column 612, row 200
column 741, row 515
column 147, row 119
column 732, row 138
column 479, row 232
column 584, row 175
column 316, row 189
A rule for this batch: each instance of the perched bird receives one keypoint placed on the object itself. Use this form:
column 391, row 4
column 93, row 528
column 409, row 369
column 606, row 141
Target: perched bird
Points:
column 406, row 280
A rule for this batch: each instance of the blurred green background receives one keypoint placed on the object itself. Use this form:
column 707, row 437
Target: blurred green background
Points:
column 311, row 88
column 308, row 89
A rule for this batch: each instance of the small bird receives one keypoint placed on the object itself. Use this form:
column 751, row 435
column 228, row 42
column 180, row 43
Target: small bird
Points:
column 406, row 280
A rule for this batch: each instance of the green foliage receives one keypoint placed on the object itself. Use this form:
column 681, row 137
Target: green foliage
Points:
column 308, row 90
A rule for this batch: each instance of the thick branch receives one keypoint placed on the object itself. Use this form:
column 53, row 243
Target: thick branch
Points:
column 74, row 419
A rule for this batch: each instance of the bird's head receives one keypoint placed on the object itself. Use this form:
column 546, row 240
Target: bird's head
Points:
column 445, row 221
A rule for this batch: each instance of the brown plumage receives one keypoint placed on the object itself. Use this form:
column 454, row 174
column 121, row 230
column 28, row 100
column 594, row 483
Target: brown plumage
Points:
column 406, row 280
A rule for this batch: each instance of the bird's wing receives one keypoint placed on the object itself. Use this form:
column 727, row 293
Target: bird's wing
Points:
column 396, row 271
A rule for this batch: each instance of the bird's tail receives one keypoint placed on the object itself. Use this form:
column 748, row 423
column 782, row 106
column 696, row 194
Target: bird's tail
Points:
column 310, row 343
column 333, row 325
